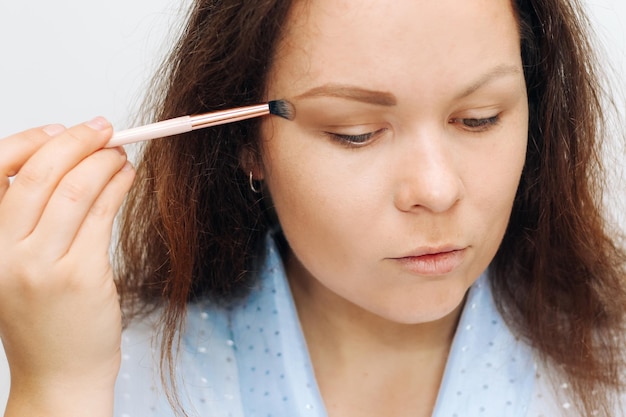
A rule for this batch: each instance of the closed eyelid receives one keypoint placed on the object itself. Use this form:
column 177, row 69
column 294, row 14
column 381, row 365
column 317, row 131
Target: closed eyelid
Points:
column 356, row 140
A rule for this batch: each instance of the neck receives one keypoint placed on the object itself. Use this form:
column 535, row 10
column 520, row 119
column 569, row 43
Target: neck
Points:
column 365, row 364
column 333, row 323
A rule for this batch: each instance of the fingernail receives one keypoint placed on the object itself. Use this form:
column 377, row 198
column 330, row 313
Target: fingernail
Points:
column 53, row 130
column 127, row 166
column 99, row 123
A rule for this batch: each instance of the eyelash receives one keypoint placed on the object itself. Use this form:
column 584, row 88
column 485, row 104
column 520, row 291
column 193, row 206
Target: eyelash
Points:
column 355, row 140
column 470, row 124
column 477, row 125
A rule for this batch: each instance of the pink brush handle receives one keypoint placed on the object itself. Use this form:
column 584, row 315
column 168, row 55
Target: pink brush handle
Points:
column 152, row 131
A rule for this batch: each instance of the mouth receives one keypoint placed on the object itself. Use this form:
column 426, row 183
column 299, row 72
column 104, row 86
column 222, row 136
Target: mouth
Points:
column 433, row 262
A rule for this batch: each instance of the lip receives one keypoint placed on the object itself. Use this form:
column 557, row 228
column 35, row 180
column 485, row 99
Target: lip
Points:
column 433, row 261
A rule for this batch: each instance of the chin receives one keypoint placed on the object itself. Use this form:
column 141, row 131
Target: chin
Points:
column 425, row 308
column 427, row 316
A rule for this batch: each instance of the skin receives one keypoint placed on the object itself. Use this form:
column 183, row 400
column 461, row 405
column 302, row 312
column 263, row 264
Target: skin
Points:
column 378, row 327
column 417, row 75
column 68, row 334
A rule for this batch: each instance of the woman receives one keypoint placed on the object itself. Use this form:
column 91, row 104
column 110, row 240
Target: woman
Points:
column 423, row 239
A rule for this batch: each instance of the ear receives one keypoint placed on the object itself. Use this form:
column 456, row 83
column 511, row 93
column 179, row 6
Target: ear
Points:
column 250, row 161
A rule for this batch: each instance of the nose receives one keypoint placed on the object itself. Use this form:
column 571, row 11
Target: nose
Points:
column 427, row 174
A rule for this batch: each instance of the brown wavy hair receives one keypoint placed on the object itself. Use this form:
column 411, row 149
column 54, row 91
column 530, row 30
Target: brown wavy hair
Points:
column 191, row 229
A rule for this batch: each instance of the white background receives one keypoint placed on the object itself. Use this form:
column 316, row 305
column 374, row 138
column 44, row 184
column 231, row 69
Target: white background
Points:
column 67, row 61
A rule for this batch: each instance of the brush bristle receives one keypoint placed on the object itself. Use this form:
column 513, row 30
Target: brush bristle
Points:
column 282, row 108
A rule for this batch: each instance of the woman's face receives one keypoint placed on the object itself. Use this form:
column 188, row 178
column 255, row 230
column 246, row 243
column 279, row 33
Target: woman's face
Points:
column 395, row 182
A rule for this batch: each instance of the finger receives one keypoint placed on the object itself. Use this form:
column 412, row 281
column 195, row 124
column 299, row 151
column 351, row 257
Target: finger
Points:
column 4, row 185
column 16, row 149
column 5, row 182
column 24, row 201
column 72, row 200
column 94, row 236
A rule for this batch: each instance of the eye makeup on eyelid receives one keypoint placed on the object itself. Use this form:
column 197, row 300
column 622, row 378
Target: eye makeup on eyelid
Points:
column 355, row 140
column 470, row 125
column 358, row 127
column 502, row 87
column 346, row 123
column 357, row 122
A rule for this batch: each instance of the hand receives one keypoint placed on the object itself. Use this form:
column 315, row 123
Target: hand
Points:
column 60, row 319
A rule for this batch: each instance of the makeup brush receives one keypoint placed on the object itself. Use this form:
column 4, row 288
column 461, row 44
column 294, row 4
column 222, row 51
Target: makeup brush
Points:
column 281, row 108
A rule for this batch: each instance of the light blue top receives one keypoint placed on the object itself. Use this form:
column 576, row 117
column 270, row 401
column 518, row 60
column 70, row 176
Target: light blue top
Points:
column 252, row 361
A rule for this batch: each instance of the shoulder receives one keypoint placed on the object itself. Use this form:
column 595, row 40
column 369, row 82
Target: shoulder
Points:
column 549, row 392
column 207, row 363
column 205, row 375
column 553, row 396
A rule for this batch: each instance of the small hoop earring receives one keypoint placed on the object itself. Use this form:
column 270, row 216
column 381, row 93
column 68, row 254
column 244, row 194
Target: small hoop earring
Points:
column 254, row 189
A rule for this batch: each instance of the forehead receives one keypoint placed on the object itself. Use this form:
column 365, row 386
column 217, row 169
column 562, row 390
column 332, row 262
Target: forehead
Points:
column 400, row 45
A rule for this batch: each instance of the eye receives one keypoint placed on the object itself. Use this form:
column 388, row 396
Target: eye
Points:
column 476, row 125
column 355, row 140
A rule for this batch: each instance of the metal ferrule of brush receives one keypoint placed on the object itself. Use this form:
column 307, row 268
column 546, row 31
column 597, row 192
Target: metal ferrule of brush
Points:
column 227, row 116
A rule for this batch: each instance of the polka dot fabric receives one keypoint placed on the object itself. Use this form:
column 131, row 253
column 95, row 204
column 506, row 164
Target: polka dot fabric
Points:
column 489, row 372
column 252, row 361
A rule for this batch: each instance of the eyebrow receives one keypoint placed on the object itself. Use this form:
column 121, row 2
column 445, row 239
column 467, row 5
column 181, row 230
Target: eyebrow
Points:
column 496, row 72
column 383, row 98
column 380, row 98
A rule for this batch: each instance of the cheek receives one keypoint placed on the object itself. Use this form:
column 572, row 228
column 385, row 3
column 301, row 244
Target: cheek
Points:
column 499, row 176
column 495, row 181
column 300, row 172
column 320, row 204
column 509, row 164
column 296, row 182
